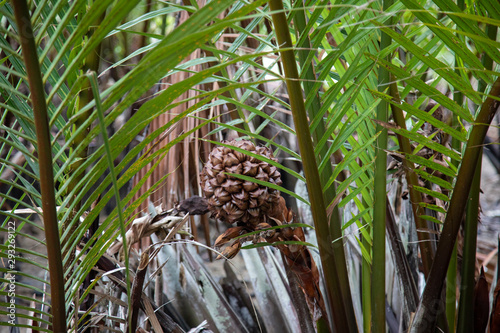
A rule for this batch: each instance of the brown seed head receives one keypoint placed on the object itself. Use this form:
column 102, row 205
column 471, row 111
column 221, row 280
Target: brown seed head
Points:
column 235, row 200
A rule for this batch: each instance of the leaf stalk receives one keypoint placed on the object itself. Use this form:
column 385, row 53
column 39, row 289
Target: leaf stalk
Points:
column 430, row 304
column 44, row 148
column 333, row 260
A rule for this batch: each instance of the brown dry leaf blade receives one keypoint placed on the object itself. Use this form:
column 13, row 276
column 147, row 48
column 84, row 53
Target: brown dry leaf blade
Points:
column 227, row 236
column 495, row 310
column 481, row 303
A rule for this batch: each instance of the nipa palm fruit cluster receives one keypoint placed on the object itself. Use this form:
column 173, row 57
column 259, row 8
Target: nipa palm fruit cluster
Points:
column 235, row 200
column 256, row 207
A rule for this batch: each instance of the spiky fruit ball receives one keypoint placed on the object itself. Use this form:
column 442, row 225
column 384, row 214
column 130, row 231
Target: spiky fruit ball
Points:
column 235, row 200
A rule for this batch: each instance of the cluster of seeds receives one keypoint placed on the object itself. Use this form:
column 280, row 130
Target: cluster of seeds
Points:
column 235, row 200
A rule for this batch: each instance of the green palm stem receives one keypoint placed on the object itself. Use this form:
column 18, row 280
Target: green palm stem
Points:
column 379, row 210
column 425, row 243
column 333, row 259
column 451, row 278
column 92, row 77
column 309, row 77
column 366, row 273
column 25, row 30
column 465, row 304
column 426, row 250
column 451, row 291
column 427, row 311
column 465, row 309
